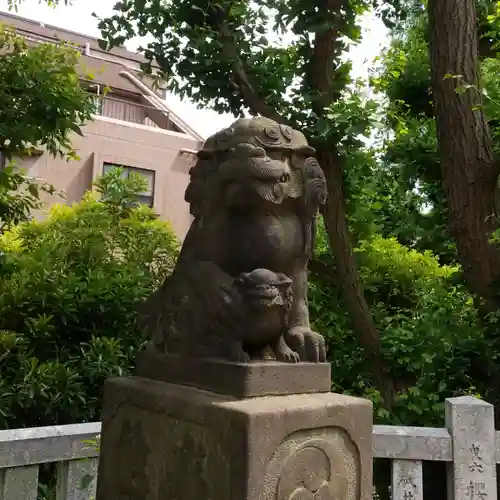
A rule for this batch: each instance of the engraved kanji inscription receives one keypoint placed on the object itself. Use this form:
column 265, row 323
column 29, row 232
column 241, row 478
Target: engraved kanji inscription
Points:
column 477, row 491
column 407, row 480
column 477, row 459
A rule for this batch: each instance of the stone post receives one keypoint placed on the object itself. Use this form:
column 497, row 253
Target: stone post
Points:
column 472, row 474
column 194, row 429
column 407, row 480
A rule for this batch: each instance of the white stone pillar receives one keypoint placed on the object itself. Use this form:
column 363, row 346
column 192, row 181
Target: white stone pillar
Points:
column 472, row 474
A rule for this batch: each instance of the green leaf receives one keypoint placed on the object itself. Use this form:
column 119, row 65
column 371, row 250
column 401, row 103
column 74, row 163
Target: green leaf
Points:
column 33, row 189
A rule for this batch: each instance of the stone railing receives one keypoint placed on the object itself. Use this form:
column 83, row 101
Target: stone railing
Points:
column 70, row 446
column 469, row 445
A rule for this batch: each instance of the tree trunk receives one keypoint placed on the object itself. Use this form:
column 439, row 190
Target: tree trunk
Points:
column 469, row 171
column 319, row 79
column 348, row 274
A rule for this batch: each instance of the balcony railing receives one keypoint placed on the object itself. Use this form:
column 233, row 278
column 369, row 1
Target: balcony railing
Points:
column 129, row 111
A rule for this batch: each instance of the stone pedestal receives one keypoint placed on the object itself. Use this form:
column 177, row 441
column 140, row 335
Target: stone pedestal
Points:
column 237, row 436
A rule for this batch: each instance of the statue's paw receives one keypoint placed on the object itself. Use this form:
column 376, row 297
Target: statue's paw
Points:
column 309, row 345
column 292, row 357
column 287, row 355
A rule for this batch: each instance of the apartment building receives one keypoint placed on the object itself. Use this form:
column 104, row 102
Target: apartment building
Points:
column 132, row 128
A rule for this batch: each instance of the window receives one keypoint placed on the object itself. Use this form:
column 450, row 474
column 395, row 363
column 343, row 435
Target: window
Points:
column 146, row 197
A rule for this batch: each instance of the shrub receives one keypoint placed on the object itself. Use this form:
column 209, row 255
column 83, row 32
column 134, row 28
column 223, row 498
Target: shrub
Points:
column 431, row 339
column 68, row 297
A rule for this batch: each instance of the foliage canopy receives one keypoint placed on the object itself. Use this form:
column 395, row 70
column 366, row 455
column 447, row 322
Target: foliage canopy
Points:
column 41, row 100
column 41, row 105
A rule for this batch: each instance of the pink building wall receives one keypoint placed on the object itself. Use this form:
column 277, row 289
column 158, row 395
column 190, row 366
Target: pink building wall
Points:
column 106, row 140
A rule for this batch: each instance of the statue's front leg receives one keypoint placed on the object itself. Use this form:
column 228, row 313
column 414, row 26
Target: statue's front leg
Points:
column 309, row 345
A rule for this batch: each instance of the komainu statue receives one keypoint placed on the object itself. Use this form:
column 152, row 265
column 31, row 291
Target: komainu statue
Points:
column 239, row 289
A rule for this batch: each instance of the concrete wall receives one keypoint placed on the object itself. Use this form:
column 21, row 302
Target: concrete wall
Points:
column 106, row 140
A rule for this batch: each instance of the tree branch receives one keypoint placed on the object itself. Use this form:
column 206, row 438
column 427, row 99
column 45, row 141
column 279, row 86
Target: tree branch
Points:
column 252, row 99
column 322, row 64
column 250, row 96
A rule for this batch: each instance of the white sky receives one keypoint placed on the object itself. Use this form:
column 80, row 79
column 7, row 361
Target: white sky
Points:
column 78, row 18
